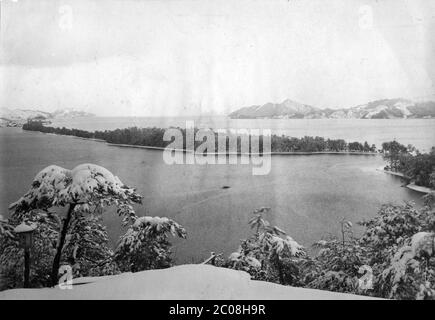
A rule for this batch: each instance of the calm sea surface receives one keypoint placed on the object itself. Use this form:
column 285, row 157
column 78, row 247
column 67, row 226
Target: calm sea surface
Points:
column 308, row 195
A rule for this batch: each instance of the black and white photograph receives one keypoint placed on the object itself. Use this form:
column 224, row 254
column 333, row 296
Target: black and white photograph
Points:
column 217, row 150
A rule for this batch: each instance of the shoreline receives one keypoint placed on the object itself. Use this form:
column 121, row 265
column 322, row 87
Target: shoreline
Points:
column 121, row 145
column 421, row 189
column 273, row 153
column 393, row 173
column 239, row 153
column 411, row 186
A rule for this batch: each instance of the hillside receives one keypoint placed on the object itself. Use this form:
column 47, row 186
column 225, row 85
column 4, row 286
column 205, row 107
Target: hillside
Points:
column 380, row 109
column 286, row 109
column 70, row 113
column 16, row 117
column 185, row 282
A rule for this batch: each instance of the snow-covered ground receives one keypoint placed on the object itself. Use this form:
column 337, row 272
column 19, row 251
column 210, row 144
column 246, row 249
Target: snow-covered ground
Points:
column 181, row 282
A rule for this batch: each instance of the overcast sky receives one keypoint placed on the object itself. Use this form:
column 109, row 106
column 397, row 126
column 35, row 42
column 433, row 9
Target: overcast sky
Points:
column 156, row 58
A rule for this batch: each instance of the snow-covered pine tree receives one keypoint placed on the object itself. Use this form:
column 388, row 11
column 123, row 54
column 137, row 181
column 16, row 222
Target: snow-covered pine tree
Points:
column 403, row 257
column 82, row 190
column 398, row 247
column 146, row 246
column 411, row 273
column 269, row 254
column 86, row 247
column 336, row 265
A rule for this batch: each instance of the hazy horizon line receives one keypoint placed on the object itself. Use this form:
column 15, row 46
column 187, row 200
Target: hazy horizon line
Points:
column 430, row 98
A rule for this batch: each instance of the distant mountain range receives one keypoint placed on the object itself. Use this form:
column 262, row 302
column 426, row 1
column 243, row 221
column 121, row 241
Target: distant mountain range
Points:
column 379, row 109
column 16, row 117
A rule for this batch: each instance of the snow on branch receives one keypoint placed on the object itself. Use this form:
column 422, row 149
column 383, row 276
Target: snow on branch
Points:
column 145, row 245
column 281, row 245
column 423, row 244
column 155, row 225
column 84, row 186
column 146, row 228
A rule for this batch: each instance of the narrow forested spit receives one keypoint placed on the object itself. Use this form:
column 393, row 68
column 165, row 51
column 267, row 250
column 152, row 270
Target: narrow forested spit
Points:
column 153, row 137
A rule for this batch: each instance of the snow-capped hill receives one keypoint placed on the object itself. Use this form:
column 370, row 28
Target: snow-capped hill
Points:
column 403, row 106
column 388, row 109
column 298, row 107
column 4, row 122
column 23, row 114
column 184, row 282
column 70, row 113
column 379, row 109
column 287, row 109
column 385, row 109
column 17, row 117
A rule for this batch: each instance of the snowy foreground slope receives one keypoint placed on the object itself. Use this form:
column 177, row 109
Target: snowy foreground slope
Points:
column 180, row 282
